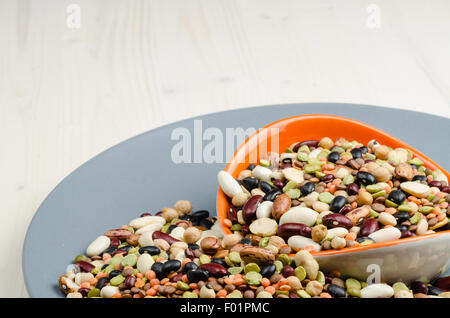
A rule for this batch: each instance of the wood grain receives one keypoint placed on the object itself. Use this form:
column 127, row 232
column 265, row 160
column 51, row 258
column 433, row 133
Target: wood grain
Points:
column 68, row 94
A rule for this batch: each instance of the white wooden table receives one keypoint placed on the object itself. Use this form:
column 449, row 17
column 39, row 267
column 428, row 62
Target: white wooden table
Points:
column 68, row 93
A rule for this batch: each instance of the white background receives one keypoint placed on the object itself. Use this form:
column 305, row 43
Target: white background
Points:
column 68, row 94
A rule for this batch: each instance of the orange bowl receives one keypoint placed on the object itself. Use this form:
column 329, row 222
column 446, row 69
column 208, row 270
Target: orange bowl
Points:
column 282, row 134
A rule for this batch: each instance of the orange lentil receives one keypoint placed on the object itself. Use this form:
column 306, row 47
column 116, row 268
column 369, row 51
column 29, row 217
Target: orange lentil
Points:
column 441, row 217
column 332, row 188
column 437, row 210
column 325, row 295
column 423, row 201
column 139, row 283
column 193, row 285
column 137, row 296
column 363, row 169
column 362, row 190
column 431, row 215
column 430, row 178
column 323, row 159
column 346, row 157
column 150, row 292
column 314, row 180
column 164, row 280
column 139, row 275
column 440, row 195
column 443, row 205
column 150, row 274
column 328, row 166
column 228, row 281
column 390, row 210
column 285, row 287
column 270, row 290
column 117, row 266
column 184, row 278
column 265, row 282
column 185, row 261
column 351, row 236
column 93, row 281
column 116, row 296
column 309, row 248
column 221, row 293
column 283, row 281
column 106, row 256
column 238, row 281
column 390, row 183
column 387, row 189
column 414, row 199
column 171, row 275
column 85, row 285
column 154, row 282
column 101, row 275
column 336, row 181
column 159, row 259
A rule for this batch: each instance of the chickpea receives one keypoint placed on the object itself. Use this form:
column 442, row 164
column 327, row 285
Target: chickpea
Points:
column 364, row 198
column 382, row 152
column 231, row 240
column 314, row 288
column 326, row 143
column 382, row 174
column 244, row 174
column 240, row 199
column 169, row 214
column 183, row 207
column 338, row 242
column 192, row 234
column 319, row 232
column 294, row 282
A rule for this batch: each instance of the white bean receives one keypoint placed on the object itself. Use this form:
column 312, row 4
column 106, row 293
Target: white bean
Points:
column 264, row 210
column 264, row 227
column 299, row 214
column 298, row 242
column 144, row 263
column 228, row 184
column 149, row 228
column 146, row 239
column 422, row 227
column 145, row 220
column 262, row 173
column 109, row 291
column 377, row 291
column 386, row 234
column 97, row 247
column 387, row 219
column 177, row 233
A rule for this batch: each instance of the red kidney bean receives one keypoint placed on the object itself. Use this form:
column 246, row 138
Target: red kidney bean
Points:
column 345, row 209
column 119, row 251
column 245, row 229
column 232, row 214
column 287, row 271
column 419, row 288
column 145, row 214
column 214, row 269
column 443, row 283
column 290, row 229
column 130, row 281
column 437, row 184
column 368, row 227
column 83, row 291
column 278, row 183
column 333, row 220
column 249, row 208
column 407, row 233
column 158, row 213
column 163, row 236
column 177, row 278
column 352, row 189
column 292, row 295
column 327, row 178
column 189, row 253
column 114, row 242
column 309, row 143
column 85, row 266
column 446, row 189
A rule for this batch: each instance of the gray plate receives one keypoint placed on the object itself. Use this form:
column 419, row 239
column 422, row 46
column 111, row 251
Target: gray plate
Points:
column 138, row 175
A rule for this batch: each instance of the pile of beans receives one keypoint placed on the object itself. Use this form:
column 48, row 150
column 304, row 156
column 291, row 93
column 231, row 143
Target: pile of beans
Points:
column 178, row 253
column 325, row 194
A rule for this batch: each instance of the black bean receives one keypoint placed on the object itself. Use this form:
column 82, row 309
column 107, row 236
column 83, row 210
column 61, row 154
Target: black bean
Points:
column 334, row 156
column 307, row 188
column 246, row 241
column 113, row 274
column 200, row 214
column 364, row 239
column 401, row 216
column 206, row 223
column 251, row 166
column 433, row 290
column 397, row 196
column 194, row 276
column 268, row 270
column 272, row 194
column 336, row 291
column 193, row 246
column 356, row 153
column 250, row 183
column 365, row 178
column 219, row 261
column 170, row 228
column 157, row 268
column 419, row 178
column 338, row 203
column 102, row 282
column 189, row 267
column 171, row 266
column 364, row 149
column 185, row 217
column 266, row 187
column 110, row 250
column 402, row 228
column 152, row 250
